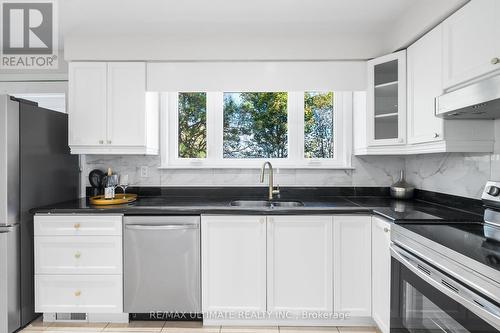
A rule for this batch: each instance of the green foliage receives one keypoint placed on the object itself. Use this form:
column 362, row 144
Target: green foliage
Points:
column 318, row 125
column 255, row 125
column 192, row 125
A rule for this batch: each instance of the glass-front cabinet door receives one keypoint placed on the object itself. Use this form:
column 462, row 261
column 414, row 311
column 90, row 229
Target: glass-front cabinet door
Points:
column 386, row 104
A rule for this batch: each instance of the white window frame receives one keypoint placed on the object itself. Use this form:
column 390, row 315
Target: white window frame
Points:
column 295, row 160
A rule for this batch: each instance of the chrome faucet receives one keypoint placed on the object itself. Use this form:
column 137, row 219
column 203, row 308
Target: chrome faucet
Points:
column 272, row 190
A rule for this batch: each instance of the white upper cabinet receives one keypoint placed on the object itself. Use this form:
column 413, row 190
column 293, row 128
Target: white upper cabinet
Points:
column 352, row 265
column 471, row 40
column 299, row 263
column 386, row 100
column 126, row 87
column 87, row 103
column 110, row 111
column 424, row 85
column 233, row 263
column 381, row 281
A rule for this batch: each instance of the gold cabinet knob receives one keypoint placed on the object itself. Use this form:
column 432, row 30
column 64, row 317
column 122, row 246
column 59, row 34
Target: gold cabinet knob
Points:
column 78, row 255
column 76, row 225
column 78, row 293
column 495, row 61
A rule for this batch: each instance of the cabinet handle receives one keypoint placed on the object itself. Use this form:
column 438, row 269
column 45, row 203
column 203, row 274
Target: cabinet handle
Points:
column 78, row 293
column 109, row 142
column 495, row 61
column 101, row 142
column 77, row 225
column 386, row 229
column 436, row 135
column 78, row 255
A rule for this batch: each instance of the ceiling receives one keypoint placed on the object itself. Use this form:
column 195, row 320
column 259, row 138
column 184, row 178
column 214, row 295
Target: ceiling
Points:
column 243, row 30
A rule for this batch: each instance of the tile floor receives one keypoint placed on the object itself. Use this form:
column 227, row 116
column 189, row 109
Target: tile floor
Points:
column 179, row 327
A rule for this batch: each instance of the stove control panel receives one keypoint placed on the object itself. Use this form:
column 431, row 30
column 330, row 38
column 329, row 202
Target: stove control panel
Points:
column 491, row 193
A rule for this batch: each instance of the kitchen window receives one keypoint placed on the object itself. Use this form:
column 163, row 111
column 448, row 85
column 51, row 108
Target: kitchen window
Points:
column 255, row 125
column 309, row 129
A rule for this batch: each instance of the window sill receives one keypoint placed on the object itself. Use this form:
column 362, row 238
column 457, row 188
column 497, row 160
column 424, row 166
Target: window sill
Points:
column 255, row 165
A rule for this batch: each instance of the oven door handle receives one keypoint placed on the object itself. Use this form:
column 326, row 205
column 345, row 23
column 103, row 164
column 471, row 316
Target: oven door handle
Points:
column 456, row 291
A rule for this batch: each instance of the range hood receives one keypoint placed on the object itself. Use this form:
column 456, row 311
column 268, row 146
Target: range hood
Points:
column 480, row 100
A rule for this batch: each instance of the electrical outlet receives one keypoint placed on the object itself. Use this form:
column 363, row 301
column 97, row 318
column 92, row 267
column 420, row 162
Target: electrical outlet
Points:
column 144, row 172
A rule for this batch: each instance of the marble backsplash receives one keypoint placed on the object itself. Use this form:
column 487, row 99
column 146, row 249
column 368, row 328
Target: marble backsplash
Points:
column 452, row 173
column 368, row 171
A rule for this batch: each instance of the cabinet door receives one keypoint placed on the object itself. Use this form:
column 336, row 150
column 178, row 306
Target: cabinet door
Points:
column 471, row 39
column 386, row 100
column 424, row 85
column 381, row 281
column 233, row 263
column 87, row 103
column 126, row 104
column 352, row 265
column 299, row 263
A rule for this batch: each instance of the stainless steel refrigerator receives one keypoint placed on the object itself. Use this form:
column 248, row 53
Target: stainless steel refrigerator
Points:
column 36, row 169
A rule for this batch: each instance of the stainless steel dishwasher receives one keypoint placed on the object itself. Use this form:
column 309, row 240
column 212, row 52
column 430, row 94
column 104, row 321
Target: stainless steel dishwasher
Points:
column 162, row 264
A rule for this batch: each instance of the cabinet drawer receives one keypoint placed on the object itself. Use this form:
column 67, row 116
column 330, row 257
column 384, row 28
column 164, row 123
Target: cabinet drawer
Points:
column 78, row 255
column 78, row 293
column 75, row 225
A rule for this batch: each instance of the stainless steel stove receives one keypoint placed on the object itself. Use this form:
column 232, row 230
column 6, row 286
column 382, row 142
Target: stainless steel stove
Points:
column 446, row 277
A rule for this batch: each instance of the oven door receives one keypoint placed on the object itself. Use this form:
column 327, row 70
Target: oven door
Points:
column 424, row 299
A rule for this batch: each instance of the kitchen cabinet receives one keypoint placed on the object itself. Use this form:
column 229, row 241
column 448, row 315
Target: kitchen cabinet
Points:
column 110, row 111
column 233, row 263
column 471, row 39
column 386, row 100
column 78, row 293
column 352, row 265
column 87, row 104
column 300, row 263
column 426, row 132
column 295, row 264
column 78, row 263
column 381, row 280
column 424, row 85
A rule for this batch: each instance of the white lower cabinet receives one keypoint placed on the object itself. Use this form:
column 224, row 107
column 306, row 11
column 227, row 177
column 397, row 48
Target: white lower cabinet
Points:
column 233, row 263
column 79, row 293
column 352, row 265
column 78, row 255
column 381, row 281
column 299, row 263
column 78, row 264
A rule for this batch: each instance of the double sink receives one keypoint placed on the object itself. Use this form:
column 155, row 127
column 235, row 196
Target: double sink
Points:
column 266, row 203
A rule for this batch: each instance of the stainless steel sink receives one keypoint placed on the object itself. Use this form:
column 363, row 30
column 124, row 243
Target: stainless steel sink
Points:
column 251, row 203
column 287, row 204
column 266, row 204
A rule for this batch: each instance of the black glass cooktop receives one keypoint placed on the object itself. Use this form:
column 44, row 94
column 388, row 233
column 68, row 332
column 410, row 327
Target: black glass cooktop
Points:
column 468, row 239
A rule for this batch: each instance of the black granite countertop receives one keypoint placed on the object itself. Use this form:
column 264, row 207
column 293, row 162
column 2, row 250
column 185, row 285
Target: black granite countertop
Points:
column 196, row 201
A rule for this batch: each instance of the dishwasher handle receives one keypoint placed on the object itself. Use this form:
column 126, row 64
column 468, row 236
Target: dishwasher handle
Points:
column 161, row 226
